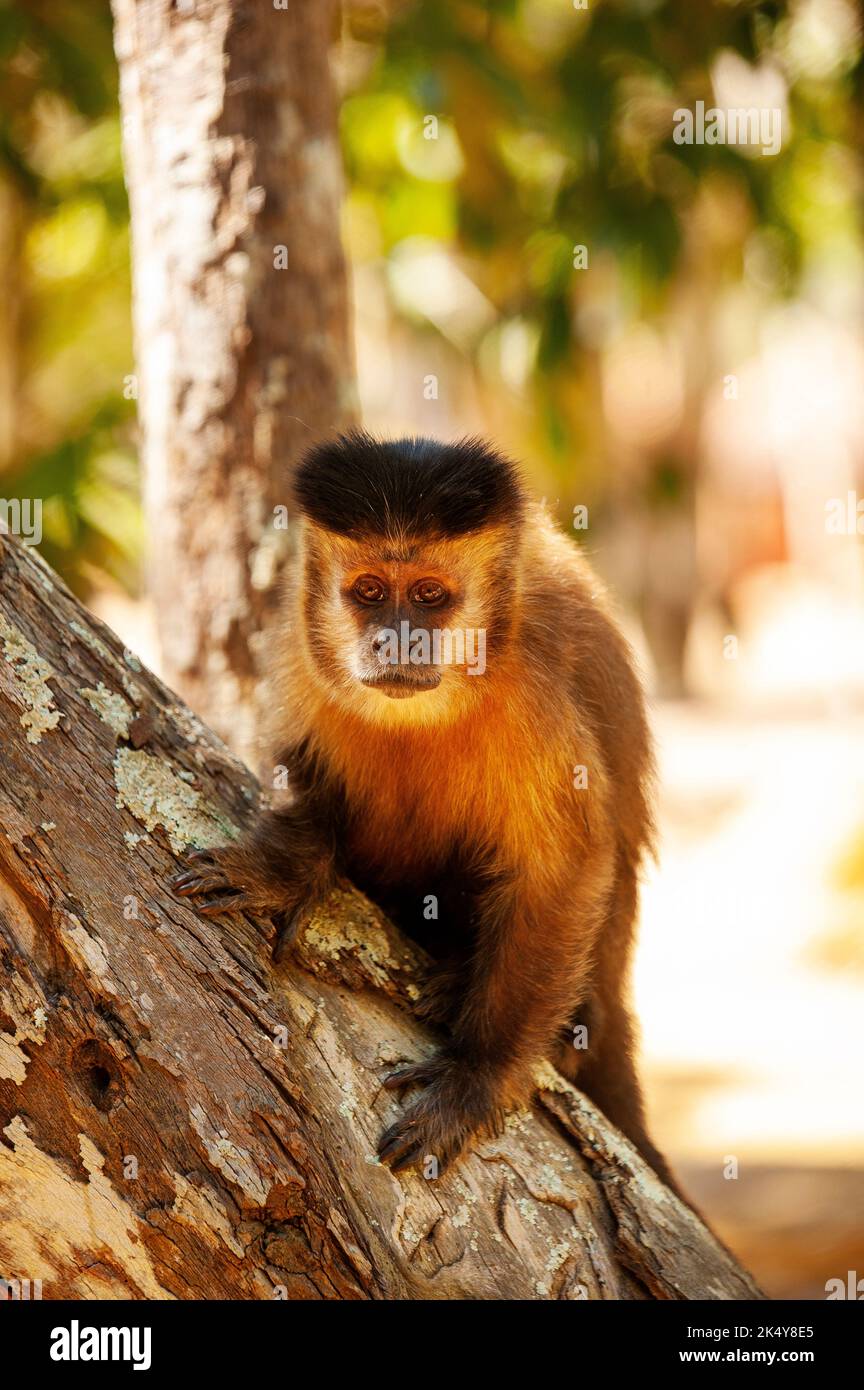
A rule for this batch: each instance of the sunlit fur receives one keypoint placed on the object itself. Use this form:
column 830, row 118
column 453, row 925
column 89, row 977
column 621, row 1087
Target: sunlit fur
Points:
column 468, row 792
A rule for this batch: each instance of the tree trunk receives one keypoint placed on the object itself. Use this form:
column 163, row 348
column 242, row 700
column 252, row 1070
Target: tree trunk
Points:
column 179, row 1118
column 241, row 317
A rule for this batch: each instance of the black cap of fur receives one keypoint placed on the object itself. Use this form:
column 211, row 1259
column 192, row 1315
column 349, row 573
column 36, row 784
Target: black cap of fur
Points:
column 357, row 485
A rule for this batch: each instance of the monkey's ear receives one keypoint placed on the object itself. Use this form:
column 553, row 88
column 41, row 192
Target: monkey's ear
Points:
column 357, row 485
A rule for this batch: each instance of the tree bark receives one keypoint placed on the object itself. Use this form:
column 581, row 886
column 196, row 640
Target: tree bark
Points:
column 179, row 1118
column 241, row 314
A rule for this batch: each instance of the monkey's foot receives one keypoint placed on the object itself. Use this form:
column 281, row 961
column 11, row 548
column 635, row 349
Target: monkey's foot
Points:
column 458, row 1100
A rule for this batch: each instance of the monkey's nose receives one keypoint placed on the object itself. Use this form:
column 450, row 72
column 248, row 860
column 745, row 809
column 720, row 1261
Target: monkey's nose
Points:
column 378, row 642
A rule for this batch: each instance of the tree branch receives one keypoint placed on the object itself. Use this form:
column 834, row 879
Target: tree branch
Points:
column 180, row 1118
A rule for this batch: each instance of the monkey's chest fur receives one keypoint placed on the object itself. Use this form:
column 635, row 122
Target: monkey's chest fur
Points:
column 431, row 821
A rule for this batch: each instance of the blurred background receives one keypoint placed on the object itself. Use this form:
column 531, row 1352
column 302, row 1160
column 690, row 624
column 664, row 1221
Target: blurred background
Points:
column 693, row 378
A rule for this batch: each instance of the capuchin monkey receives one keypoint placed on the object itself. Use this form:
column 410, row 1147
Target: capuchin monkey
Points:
column 462, row 724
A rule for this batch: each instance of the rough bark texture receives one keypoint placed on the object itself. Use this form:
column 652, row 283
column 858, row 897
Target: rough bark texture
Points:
column 181, row 1119
column 241, row 316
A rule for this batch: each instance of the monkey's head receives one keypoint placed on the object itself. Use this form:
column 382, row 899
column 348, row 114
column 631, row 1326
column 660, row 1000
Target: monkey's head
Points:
column 409, row 571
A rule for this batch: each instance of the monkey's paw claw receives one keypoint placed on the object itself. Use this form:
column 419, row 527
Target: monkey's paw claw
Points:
column 402, row 1144
column 457, row 1101
column 209, row 881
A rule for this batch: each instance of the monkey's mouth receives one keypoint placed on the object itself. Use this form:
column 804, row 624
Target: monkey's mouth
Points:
column 400, row 686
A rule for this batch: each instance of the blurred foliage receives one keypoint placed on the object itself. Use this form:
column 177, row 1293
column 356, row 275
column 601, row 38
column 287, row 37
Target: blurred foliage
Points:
column 554, row 130
column 65, row 420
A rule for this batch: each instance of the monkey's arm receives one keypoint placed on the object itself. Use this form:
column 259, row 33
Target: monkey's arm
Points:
column 531, row 967
column 282, row 866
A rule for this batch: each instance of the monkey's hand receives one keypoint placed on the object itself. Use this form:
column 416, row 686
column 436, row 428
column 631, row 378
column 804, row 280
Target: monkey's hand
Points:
column 458, row 1099
column 234, row 878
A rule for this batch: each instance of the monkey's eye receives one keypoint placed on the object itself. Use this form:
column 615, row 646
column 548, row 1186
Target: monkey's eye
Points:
column 428, row 592
column 368, row 589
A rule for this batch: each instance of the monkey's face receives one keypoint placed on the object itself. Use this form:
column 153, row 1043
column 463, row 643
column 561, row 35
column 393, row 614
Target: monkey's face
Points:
column 403, row 629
